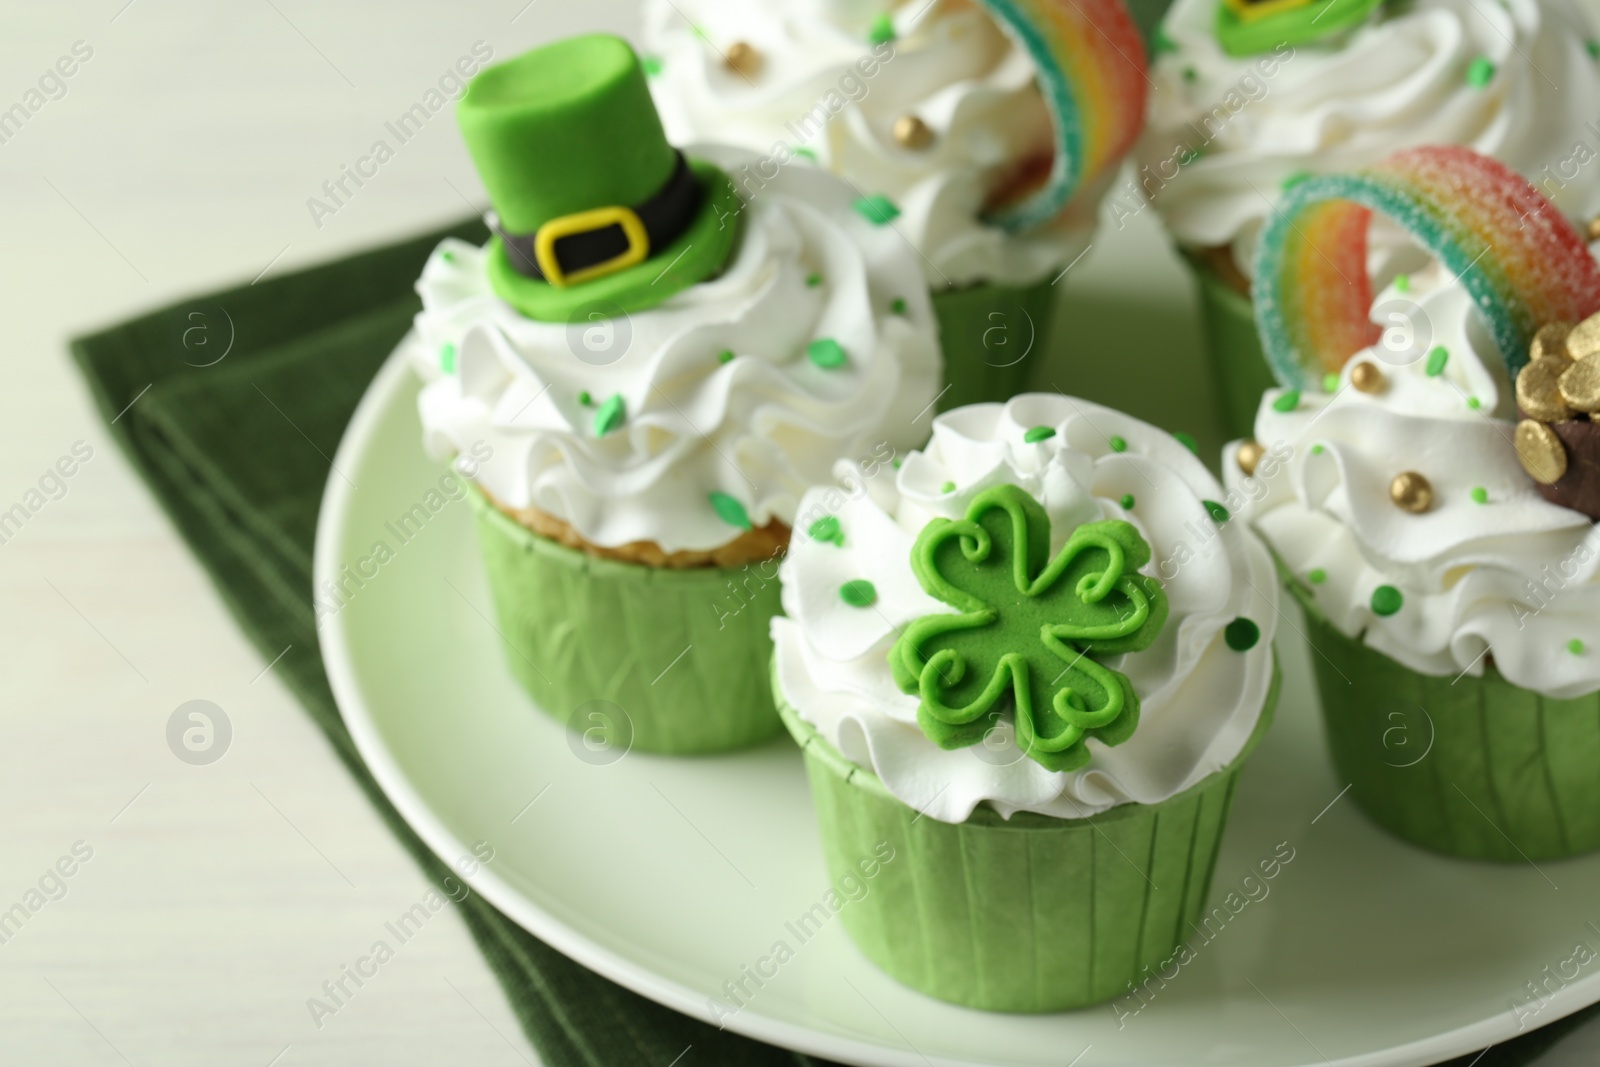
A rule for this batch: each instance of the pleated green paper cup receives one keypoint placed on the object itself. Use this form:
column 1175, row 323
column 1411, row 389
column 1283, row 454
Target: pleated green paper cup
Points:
column 630, row 656
column 1233, row 348
column 1030, row 914
column 1470, row 767
column 993, row 336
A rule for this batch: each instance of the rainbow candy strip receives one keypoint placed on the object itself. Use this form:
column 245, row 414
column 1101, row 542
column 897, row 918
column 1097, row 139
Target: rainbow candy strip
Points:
column 1091, row 65
column 1521, row 260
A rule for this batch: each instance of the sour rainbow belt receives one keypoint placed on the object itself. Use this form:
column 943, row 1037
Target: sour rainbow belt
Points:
column 1520, row 259
column 1091, row 65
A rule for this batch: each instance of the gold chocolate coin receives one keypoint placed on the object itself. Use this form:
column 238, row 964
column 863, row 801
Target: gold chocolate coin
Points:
column 1551, row 340
column 1580, row 384
column 1584, row 340
column 1542, row 454
column 1538, row 391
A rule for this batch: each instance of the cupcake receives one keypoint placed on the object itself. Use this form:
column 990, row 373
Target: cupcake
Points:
column 1250, row 98
column 983, row 134
column 641, row 374
column 1026, row 667
column 1433, row 509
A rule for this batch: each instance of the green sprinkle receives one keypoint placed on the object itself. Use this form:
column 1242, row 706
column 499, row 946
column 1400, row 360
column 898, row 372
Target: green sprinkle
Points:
column 1480, row 72
column 1241, row 634
column 1317, row 450
column 826, row 353
column 699, row 31
column 1575, row 646
column 882, row 31
column 895, row 463
column 729, row 510
column 898, row 306
column 948, row 487
column 1593, row 48
column 1295, row 179
column 806, row 153
column 447, row 359
column 1190, row 75
column 448, row 256
column 1474, row 403
column 859, row 593
column 1317, row 576
column 1438, row 356
column 1127, row 501
column 1189, row 156
column 827, row 529
column 585, row 399
column 1218, row 513
column 1188, row 441
column 1287, row 402
column 1386, row 600
column 1480, row 495
column 1402, row 283
column 878, row 210
column 1330, row 383
column 652, row 65
column 1117, row 444
column 1037, row 434
column 725, row 356
column 813, row 279
column 610, row 415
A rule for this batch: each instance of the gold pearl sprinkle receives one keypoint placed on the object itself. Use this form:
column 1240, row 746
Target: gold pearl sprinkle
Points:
column 911, row 132
column 743, row 58
column 1542, row 454
column 1249, row 456
column 1539, row 392
column 1584, row 340
column 1551, row 340
column 1411, row 492
column 1593, row 229
column 1368, row 378
column 1580, row 384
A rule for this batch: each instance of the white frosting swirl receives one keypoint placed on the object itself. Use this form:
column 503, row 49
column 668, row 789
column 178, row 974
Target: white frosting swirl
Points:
column 760, row 428
column 950, row 65
column 1200, row 699
column 1512, row 580
column 1398, row 81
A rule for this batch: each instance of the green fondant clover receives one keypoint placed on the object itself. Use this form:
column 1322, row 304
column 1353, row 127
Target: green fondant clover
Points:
column 1029, row 626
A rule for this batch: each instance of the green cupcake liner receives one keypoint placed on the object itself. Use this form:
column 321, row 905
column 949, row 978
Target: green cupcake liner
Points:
column 629, row 656
column 993, row 336
column 1030, row 914
column 1470, row 767
column 1233, row 348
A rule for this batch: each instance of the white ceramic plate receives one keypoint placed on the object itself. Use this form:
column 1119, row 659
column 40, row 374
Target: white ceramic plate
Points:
column 672, row 875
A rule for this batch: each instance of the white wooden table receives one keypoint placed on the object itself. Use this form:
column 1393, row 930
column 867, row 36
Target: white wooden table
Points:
column 177, row 157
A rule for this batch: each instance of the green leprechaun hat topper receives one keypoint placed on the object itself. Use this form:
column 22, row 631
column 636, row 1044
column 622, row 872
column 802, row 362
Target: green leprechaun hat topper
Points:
column 591, row 204
column 1250, row 27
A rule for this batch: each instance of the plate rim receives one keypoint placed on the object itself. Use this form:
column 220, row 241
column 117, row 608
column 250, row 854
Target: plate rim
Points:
column 333, row 640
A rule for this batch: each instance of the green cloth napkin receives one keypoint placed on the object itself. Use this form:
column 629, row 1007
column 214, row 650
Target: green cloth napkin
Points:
column 238, row 451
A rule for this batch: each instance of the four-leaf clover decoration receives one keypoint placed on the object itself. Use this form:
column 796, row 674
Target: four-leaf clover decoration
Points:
column 1028, row 626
